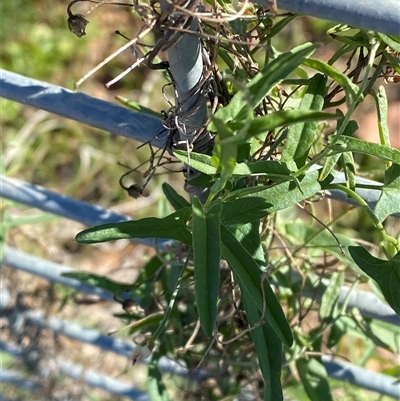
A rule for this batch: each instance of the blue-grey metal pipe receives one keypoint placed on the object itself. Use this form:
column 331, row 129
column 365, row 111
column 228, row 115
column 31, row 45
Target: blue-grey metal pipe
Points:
column 13, row 86
column 81, row 334
column 49, row 271
column 48, row 201
column 369, row 305
column 17, row 379
column 70, row 369
column 358, row 376
column 78, row 106
column 382, row 16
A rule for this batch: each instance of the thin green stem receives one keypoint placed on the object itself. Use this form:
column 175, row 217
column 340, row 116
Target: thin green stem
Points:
column 353, row 103
column 370, row 213
column 171, row 304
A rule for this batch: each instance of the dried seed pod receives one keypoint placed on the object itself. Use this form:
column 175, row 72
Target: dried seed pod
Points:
column 77, row 24
column 129, row 306
column 135, row 191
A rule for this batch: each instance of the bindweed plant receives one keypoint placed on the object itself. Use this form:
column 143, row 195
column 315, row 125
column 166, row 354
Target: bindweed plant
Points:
column 230, row 296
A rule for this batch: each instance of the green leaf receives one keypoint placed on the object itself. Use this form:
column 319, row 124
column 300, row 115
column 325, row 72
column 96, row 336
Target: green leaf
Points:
column 365, row 327
column 346, row 34
column 249, row 275
column 393, row 61
column 204, row 164
column 335, row 74
column 198, row 161
column 391, row 41
column 387, row 333
column 172, row 227
column 263, row 83
column 177, row 201
column 261, row 125
column 268, row 349
column 330, row 297
column 347, row 164
column 344, row 326
column 314, row 378
column 382, row 109
column 331, row 161
column 245, row 210
column 207, row 255
column 257, row 202
column 389, row 201
column 278, row 69
column 226, row 57
column 386, row 273
column 349, row 144
column 248, row 235
column 224, row 157
column 346, row 48
column 98, row 281
column 302, row 136
column 269, row 168
column 278, row 26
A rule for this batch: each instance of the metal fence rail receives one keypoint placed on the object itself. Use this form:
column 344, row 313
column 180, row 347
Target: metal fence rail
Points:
column 336, row 368
column 359, row 13
column 368, row 304
column 70, row 369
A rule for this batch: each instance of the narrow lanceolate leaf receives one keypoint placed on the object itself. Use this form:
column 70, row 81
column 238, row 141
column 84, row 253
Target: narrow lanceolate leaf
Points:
column 170, row 227
column 301, row 136
column 342, row 79
column 198, row 161
column 278, row 69
column 330, row 298
column 347, row 164
column 382, row 109
column 268, row 168
column 348, row 144
column 261, row 125
column 268, row 349
column 389, row 201
column 263, row 83
column 224, row 157
column 257, row 202
column 205, row 164
column 331, row 161
column 314, row 378
column 386, row 273
column 392, row 41
column 98, row 281
column 177, row 201
column 207, row 254
column 278, row 26
column 249, row 276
